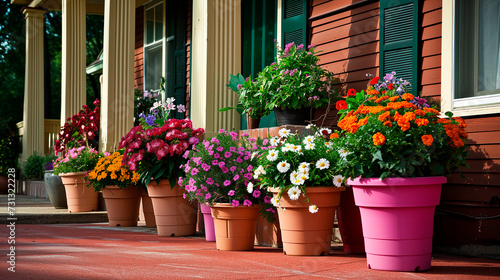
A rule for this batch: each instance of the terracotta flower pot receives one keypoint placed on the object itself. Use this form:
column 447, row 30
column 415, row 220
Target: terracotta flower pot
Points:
column 305, row 233
column 397, row 216
column 80, row 198
column 252, row 123
column 349, row 220
column 235, row 226
column 147, row 208
column 208, row 222
column 174, row 215
column 122, row 205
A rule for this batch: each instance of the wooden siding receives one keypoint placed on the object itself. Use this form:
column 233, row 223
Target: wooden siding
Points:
column 430, row 46
column 139, row 48
column 189, row 14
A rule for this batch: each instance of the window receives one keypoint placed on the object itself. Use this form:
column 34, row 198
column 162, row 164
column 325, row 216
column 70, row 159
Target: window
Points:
column 153, row 47
column 471, row 57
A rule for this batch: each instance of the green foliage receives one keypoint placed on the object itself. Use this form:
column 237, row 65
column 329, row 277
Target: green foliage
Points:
column 34, row 166
column 9, row 147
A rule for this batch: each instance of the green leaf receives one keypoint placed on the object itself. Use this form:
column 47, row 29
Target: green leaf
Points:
column 449, row 114
column 438, row 169
column 226, row 109
column 384, row 175
column 377, row 156
column 234, row 81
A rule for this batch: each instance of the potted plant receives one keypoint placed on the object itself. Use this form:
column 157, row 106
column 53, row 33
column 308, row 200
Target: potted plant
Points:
column 142, row 103
column 292, row 87
column 397, row 148
column 302, row 172
column 54, row 186
column 8, row 154
column 219, row 173
column 77, row 157
column 34, row 171
column 119, row 188
column 154, row 149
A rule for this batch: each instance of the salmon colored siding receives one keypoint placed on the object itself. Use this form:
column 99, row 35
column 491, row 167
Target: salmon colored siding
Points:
column 430, row 44
column 139, row 48
column 188, row 53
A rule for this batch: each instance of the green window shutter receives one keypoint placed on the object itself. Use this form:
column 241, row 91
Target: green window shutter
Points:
column 176, row 54
column 399, row 24
column 294, row 22
column 258, row 31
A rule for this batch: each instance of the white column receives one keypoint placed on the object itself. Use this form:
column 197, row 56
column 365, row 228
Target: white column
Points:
column 33, row 115
column 216, row 53
column 117, row 94
column 74, row 79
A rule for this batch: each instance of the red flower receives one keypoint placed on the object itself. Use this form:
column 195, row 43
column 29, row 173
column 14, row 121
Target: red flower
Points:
column 341, row 105
column 351, row 92
column 374, row 80
column 390, row 86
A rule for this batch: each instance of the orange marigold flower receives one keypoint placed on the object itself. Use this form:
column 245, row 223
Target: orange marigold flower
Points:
column 378, row 139
column 394, row 98
column 431, row 110
column 427, row 139
column 409, row 116
column 384, row 116
column 404, row 124
column 334, row 135
column 388, row 123
column 420, row 112
column 353, row 128
column 408, row 96
column 373, row 92
column 380, row 99
column 363, row 121
column 422, row 122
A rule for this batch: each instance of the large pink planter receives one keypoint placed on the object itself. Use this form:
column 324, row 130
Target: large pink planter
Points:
column 397, row 216
column 208, row 222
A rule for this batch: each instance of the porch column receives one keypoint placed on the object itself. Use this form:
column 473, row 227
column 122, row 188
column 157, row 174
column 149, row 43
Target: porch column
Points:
column 33, row 86
column 117, row 94
column 74, row 79
column 216, row 53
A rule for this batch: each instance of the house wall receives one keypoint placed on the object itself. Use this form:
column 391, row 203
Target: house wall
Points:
column 468, row 219
column 189, row 20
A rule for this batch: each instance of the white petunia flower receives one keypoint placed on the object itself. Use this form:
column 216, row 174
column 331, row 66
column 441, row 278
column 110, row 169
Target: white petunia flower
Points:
column 294, row 193
column 304, row 166
column 283, row 166
column 272, row 155
column 250, row 187
column 310, row 146
column 337, row 180
column 313, row 209
column 308, row 139
column 284, row 132
column 275, row 141
column 322, row 163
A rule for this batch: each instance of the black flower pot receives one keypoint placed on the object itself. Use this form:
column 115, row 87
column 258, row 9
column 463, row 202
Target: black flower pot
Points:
column 55, row 190
column 291, row 116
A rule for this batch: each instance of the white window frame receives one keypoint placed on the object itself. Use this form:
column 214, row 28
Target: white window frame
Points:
column 155, row 44
column 470, row 106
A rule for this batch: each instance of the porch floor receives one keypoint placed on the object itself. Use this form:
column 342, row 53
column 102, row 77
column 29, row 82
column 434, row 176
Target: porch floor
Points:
column 97, row 251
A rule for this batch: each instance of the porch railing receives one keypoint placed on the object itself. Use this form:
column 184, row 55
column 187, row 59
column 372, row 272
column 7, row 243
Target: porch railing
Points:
column 51, row 130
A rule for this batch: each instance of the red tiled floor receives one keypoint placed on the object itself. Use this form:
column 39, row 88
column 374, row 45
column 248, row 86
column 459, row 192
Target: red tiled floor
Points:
column 96, row 251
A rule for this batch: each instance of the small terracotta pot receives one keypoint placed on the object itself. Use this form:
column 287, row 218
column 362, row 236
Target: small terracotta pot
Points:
column 122, row 205
column 235, row 226
column 252, row 123
column 174, row 215
column 305, row 233
column 147, row 208
column 80, row 198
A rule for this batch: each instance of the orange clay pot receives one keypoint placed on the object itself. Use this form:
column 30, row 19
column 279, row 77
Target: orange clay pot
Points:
column 304, row 233
column 147, row 208
column 174, row 215
column 80, row 197
column 122, row 205
column 235, row 226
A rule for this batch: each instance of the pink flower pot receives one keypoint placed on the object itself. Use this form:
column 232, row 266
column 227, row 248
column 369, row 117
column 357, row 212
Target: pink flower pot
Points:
column 397, row 216
column 209, row 222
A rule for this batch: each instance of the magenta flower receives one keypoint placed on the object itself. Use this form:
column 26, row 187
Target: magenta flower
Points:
column 247, row 202
column 210, row 181
column 227, row 154
column 239, row 160
column 216, row 155
column 194, row 171
column 208, row 196
column 267, row 199
column 220, row 148
column 224, row 169
column 215, row 162
column 205, row 167
column 248, row 176
column 233, row 168
column 232, row 149
column 235, row 203
column 236, row 177
column 231, row 192
column 250, row 168
column 256, row 193
column 227, row 183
